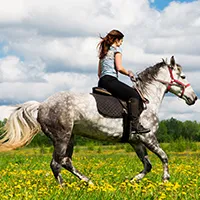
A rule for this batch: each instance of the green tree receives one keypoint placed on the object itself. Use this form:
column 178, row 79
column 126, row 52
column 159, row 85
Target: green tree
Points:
column 162, row 133
column 175, row 128
column 191, row 130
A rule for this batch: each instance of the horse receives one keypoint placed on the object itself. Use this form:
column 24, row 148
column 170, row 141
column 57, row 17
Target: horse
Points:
column 58, row 115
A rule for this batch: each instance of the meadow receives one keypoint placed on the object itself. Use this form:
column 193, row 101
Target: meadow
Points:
column 26, row 174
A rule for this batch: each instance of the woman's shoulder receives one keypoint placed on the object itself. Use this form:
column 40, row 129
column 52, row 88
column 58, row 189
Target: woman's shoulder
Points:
column 116, row 49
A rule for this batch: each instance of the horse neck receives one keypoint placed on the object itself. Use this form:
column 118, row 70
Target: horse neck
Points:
column 155, row 91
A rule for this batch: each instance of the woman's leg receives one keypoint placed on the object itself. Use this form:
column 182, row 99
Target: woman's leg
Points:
column 118, row 88
column 128, row 94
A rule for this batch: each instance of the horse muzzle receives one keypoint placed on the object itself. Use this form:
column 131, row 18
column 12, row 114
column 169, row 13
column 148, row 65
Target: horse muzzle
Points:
column 190, row 101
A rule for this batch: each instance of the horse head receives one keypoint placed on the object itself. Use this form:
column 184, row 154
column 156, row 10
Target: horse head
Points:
column 178, row 83
column 156, row 80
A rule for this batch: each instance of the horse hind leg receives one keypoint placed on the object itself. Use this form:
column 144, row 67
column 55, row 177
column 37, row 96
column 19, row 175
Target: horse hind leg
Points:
column 143, row 156
column 62, row 157
column 60, row 148
column 56, row 169
column 61, row 140
column 67, row 162
column 59, row 129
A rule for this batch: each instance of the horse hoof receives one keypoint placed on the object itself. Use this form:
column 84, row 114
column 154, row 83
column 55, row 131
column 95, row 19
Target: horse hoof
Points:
column 62, row 185
column 166, row 178
column 134, row 180
column 90, row 183
column 165, row 181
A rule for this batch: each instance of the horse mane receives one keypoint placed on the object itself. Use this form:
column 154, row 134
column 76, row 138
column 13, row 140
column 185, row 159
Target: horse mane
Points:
column 149, row 74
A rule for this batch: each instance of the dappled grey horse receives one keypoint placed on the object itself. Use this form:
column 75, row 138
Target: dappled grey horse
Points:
column 61, row 112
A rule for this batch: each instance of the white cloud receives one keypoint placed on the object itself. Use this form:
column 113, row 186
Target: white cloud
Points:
column 193, row 78
column 18, row 92
column 177, row 108
column 5, row 111
column 14, row 70
column 74, row 53
column 72, row 81
column 12, row 12
column 48, row 46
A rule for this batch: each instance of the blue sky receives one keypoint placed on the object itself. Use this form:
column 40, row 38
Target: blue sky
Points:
column 162, row 4
column 50, row 46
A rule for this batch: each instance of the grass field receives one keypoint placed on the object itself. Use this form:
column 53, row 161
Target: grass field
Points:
column 25, row 174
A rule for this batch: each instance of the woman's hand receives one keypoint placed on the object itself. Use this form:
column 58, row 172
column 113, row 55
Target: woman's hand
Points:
column 121, row 69
column 131, row 75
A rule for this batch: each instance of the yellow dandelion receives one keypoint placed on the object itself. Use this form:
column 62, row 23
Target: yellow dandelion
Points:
column 163, row 196
column 176, row 186
column 28, row 182
column 168, row 189
column 5, row 197
column 184, row 193
column 18, row 187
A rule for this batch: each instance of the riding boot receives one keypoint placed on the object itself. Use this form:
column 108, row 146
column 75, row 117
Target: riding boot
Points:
column 134, row 113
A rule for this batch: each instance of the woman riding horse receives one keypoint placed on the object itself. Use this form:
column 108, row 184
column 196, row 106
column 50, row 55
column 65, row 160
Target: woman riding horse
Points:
column 110, row 63
column 58, row 115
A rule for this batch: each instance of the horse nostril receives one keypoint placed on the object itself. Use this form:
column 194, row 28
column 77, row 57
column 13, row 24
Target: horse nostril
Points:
column 196, row 98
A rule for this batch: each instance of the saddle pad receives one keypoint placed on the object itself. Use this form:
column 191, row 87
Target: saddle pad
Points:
column 109, row 106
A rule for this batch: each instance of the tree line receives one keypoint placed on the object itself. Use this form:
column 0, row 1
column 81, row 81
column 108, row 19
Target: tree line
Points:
column 173, row 129
column 169, row 130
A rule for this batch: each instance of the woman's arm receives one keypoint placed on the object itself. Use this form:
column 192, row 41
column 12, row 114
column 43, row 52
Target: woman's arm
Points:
column 119, row 67
column 99, row 69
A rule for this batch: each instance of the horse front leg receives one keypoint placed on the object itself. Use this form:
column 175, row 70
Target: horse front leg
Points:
column 163, row 157
column 150, row 141
column 143, row 156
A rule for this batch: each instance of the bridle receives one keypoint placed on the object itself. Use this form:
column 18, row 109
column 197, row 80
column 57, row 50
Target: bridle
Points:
column 174, row 82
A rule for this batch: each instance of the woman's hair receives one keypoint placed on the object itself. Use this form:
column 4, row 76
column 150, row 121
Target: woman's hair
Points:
column 107, row 41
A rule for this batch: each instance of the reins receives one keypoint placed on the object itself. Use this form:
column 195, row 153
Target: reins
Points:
column 144, row 99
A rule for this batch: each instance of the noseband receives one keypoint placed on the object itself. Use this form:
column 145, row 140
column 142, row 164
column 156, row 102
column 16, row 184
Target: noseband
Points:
column 174, row 82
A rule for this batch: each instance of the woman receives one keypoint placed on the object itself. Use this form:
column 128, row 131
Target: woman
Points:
column 110, row 63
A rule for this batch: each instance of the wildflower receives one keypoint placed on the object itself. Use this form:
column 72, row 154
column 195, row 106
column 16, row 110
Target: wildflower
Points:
column 18, row 187
column 163, row 196
column 176, row 186
column 184, row 193
column 168, row 189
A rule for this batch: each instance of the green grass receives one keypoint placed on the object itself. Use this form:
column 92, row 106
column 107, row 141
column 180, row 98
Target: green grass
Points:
column 25, row 174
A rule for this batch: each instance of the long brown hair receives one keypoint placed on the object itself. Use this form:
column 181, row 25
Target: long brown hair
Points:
column 107, row 41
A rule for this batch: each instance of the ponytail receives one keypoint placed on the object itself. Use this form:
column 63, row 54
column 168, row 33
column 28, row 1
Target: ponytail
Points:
column 107, row 41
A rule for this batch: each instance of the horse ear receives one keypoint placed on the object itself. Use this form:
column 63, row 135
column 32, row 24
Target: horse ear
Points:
column 164, row 61
column 172, row 61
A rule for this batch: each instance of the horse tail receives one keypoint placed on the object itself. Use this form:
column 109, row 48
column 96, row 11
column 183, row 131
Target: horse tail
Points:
column 21, row 126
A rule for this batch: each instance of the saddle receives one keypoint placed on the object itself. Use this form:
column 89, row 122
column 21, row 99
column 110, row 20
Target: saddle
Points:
column 111, row 107
column 108, row 105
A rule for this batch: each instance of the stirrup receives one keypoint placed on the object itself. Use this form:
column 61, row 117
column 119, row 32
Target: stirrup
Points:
column 140, row 129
